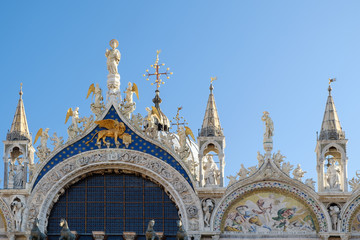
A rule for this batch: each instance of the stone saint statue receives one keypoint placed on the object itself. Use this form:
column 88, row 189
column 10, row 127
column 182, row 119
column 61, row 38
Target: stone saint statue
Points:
column 113, row 57
column 17, row 208
column 298, row 173
column 333, row 175
column 334, row 212
column 212, row 173
column 269, row 131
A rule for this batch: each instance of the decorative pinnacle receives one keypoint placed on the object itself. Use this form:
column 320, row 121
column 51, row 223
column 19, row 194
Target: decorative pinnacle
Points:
column 211, row 81
column 21, row 92
column 330, row 81
column 156, row 66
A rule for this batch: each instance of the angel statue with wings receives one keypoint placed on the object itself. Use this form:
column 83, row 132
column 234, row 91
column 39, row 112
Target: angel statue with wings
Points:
column 42, row 150
column 151, row 128
column 73, row 129
column 128, row 106
column 97, row 106
column 184, row 149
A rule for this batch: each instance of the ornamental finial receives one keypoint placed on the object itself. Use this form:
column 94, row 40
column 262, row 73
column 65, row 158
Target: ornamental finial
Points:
column 156, row 66
column 330, row 81
column 21, row 92
column 212, row 79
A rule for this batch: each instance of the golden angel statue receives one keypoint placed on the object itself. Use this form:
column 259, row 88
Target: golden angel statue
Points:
column 128, row 106
column 97, row 106
column 149, row 124
column 73, row 129
column 113, row 57
column 42, row 150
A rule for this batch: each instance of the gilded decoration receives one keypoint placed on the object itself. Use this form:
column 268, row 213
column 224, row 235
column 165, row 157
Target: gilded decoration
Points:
column 268, row 211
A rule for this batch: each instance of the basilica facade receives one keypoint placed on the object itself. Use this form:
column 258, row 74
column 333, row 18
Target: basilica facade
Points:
column 121, row 175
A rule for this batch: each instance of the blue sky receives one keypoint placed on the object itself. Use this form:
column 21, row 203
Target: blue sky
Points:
column 267, row 55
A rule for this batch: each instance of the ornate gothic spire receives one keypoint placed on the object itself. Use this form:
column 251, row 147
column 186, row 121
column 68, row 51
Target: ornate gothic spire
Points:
column 331, row 128
column 211, row 124
column 19, row 127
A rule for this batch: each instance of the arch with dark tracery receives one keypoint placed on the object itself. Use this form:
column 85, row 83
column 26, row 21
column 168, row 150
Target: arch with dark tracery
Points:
column 114, row 202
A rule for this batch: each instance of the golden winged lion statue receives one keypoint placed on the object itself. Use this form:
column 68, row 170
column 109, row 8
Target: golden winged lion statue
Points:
column 114, row 130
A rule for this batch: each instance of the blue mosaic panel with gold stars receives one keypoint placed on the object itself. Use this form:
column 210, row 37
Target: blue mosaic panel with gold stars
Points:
column 138, row 144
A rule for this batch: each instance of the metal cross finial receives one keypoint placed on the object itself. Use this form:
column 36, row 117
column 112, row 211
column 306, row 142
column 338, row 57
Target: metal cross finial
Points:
column 158, row 81
column 177, row 119
column 212, row 79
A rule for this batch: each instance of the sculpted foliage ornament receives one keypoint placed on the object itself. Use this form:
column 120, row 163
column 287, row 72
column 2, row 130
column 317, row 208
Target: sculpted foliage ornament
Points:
column 57, row 141
column 355, row 182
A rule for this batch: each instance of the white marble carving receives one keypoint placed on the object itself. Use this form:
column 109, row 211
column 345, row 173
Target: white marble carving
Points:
column 17, row 208
column 298, row 173
column 243, row 172
column 334, row 212
column 208, row 206
column 212, row 173
column 310, row 183
column 57, row 141
column 333, row 175
column 105, row 159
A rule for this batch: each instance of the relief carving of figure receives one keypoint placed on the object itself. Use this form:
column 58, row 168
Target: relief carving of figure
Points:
column 212, row 173
column 208, row 207
column 17, row 208
column 298, row 173
column 333, row 175
column 113, row 57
